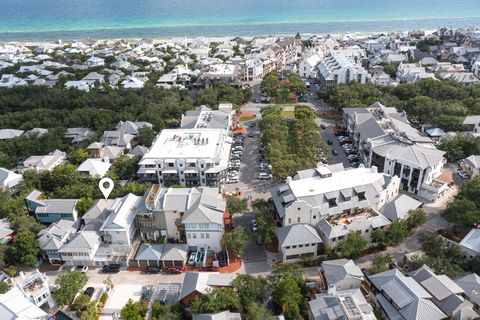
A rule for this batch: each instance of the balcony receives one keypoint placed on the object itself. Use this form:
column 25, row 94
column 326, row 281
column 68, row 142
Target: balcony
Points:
column 348, row 218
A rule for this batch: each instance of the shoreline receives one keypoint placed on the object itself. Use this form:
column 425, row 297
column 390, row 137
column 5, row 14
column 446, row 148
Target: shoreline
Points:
column 334, row 29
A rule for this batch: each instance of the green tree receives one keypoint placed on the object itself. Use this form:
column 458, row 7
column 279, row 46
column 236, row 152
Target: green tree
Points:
column 255, row 311
column 165, row 311
column 237, row 205
column 462, row 212
column 81, row 303
column 90, row 313
column 251, row 289
column 4, row 287
column 416, row 218
column 380, row 263
column 125, row 167
column 83, row 205
column 78, row 155
column 145, row 136
column 270, row 84
column 216, row 300
column 133, row 311
column 236, row 240
column 288, row 294
column 353, row 245
column 397, row 232
column 25, row 250
column 68, row 284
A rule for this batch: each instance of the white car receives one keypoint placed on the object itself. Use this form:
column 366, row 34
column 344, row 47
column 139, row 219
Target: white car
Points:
column 254, row 225
column 463, row 175
column 232, row 180
column 82, row 269
column 264, row 176
column 238, row 148
column 191, row 260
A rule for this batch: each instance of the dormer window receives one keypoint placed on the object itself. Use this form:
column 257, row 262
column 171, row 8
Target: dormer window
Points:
column 361, row 196
column 332, row 203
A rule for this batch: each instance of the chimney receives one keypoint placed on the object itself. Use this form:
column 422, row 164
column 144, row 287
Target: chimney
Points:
column 289, row 179
column 374, row 169
column 106, row 159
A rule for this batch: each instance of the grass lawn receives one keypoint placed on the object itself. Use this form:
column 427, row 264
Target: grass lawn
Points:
column 285, row 114
column 247, row 118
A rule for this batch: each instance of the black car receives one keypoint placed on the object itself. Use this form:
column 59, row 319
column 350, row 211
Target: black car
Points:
column 89, row 291
column 302, row 99
column 253, row 124
column 323, row 126
column 335, row 152
column 112, row 268
column 330, row 142
column 153, row 269
column 250, row 135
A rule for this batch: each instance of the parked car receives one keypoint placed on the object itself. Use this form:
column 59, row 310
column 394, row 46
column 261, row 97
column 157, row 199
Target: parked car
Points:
column 208, row 269
column 253, row 124
column 265, row 100
column 111, row 268
column 254, row 225
column 173, row 270
column 259, row 240
column 82, row 269
column 264, row 176
column 238, row 148
column 330, row 142
column 153, row 269
column 89, row 291
column 250, row 135
column 463, row 175
column 352, row 157
column 191, row 260
column 323, row 126
column 232, row 180
column 302, row 99
column 346, row 141
column 334, row 152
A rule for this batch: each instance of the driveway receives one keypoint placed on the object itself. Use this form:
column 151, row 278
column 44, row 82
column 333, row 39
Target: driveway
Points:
column 341, row 157
column 253, row 252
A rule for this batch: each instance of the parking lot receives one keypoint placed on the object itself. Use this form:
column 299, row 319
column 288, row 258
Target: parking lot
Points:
column 253, row 252
column 341, row 156
column 249, row 182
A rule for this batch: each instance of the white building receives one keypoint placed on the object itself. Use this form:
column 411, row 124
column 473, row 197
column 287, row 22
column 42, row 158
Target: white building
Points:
column 308, row 66
column 470, row 245
column 36, row 289
column 384, row 138
column 94, row 167
column 472, row 165
column 473, row 124
column 10, row 180
column 44, row 163
column 187, row 157
column 204, row 117
column 191, row 215
column 335, row 200
column 298, row 240
column 342, row 274
column 344, row 304
column 412, row 72
column 337, row 68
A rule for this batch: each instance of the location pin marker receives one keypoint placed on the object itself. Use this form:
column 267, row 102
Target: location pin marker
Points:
column 106, row 190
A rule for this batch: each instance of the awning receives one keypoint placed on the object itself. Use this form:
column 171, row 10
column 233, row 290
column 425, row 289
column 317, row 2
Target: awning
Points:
column 170, row 171
column 191, row 171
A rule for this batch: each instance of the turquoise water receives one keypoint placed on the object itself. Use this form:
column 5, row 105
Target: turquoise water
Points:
column 51, row 19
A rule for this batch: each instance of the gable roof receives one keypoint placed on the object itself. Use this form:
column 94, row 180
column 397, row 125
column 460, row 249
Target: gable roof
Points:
column 472, row 240
column 202, row 281
column 83, row 240
column 297, row 234
column 400, row 207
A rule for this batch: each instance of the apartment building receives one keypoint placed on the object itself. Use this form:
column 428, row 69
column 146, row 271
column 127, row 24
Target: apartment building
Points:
column 339, row 67
column 336, row 201
column 188, row 215
column 384, row 138
column 107, row 235
column 187, row 157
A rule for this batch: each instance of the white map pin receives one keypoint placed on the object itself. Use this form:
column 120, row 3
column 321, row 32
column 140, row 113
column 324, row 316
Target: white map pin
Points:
column 108, row 189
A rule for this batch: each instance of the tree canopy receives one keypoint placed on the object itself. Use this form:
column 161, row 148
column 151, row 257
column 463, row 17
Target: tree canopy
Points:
column 464, row 211
column 133, row 311
column 237, row 205
column 236, row 240
column 353, row 245
column 68, row 284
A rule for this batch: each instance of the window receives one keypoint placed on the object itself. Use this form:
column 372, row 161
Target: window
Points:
column 293, row 247
column 314, row 217
column 300, row 245
column 334, row 239
column 181, row 172
column 298, row 219
column 202, row 235
column 307, row 245
column 367, row 231
column 189, row 235
column 287, row 247
column 332, row 203
column 299, row 208
column 181, row 164
column 361, row 196
column 202, row 165
column 194, row 235
column 207, row 235
column 289, row 220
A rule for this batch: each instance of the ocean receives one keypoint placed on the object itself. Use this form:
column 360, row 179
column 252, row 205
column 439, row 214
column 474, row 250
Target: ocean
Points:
column 32, row 20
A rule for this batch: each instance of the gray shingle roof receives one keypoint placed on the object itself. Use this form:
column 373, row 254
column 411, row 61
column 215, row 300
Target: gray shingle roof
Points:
column 400, row 207
column 340, row 269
